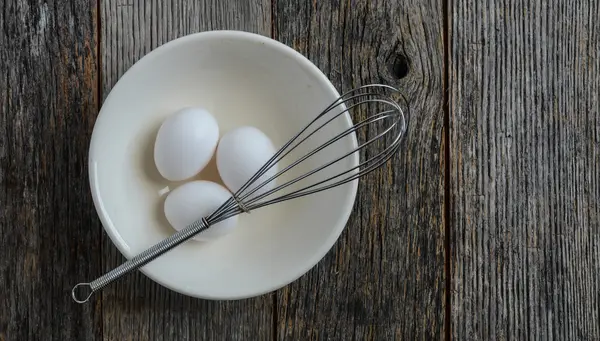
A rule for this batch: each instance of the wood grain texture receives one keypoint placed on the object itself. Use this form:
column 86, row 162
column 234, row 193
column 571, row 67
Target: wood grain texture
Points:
column 137, row 308
column 525, row 151
column 49, row 233
column 384, row 279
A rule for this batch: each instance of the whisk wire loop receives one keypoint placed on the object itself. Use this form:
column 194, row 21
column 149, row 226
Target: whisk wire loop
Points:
column 248, row 196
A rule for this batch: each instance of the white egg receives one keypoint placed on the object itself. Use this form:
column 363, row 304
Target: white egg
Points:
column 185, row 143
column 195, row 200
column 240, row 154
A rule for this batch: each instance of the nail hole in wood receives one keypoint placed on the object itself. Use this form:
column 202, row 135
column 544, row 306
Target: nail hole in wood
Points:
column 400, row 66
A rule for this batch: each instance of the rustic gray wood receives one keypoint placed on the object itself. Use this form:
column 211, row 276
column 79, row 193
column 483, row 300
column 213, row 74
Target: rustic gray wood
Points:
column 384, row 279
column 524, row 146
column 525, row 175
column 49, row 233
column 137, row 308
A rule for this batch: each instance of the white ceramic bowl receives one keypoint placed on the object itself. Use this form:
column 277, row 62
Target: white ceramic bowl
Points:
column 242, row 79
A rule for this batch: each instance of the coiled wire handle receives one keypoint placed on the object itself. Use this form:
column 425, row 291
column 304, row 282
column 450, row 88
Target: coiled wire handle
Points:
column 83, row 291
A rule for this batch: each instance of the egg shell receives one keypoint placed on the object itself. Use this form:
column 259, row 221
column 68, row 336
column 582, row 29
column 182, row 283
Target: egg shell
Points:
column 185, row 143
column 195, row 200
column 240, row 154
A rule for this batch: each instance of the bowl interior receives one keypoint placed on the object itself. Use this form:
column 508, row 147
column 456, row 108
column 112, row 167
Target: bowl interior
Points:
column 242, row 79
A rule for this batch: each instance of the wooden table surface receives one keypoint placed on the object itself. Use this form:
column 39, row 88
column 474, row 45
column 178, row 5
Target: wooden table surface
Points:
column 486, row 226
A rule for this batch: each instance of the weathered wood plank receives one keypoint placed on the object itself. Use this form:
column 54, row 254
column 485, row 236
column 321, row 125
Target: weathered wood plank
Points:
column 384, row 279
column 137, row 308
column 49, row 233
column 525, row 151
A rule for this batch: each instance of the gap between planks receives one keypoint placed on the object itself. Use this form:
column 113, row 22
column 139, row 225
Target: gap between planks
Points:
column 98, row 18
column 447, row 39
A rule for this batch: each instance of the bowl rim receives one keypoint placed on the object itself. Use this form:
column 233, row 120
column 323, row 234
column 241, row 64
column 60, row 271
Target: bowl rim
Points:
column 112, row 231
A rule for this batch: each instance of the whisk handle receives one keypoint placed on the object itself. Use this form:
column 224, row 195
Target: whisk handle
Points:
column 82, row 292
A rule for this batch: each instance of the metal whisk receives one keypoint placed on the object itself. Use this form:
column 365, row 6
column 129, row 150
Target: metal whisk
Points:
column 382, row 130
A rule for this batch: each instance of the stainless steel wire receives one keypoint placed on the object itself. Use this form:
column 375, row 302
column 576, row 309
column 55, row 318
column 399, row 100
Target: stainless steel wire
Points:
column 382, row 130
